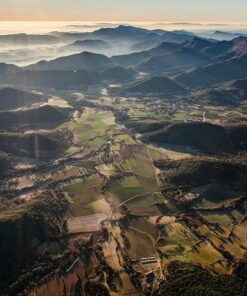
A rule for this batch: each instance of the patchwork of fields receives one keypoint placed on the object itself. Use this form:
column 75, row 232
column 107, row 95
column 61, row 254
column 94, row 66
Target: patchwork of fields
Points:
column 120, row 197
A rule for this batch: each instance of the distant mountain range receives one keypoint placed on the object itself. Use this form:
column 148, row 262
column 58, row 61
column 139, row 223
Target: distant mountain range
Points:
column 222, row 35
column 136, row 38
column 7, row 71
column 134, row 59
column 174, row 62
column 186, row 61
column 88, row 44
column 83, row 61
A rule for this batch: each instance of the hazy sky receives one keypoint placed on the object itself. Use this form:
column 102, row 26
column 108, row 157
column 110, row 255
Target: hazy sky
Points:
column 125, row 10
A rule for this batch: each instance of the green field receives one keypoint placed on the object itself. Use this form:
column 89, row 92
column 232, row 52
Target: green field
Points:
column 125, row 188
column 91, row 128
column 86, row 197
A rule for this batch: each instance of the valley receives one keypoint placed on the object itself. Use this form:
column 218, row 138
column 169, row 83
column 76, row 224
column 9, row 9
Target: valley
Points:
column 125, row 175
column 116, row 206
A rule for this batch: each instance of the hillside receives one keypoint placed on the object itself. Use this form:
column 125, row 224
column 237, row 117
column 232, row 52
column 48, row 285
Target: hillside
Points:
column 240, row 84
column 176, row 61
column 213, row 74
column 224, row 35
column 219, row 97
column 80, row 79
column 63, row 80
column 155, row 85
column 88, row 44
column 11, row 98
column 226, row 94
column 199, row 171
column 4, row 164
column 37, row 220
column 8, row 71
column 238, row 135
column 133, row 59
column 143, row 127
column 122, row 33
column 83, row 61
column 198, row 44
column 42, row 116
column 184, row 277
column 220, row 50
column 118, row 74
column 194, row 51
column 139, row 38
column 177, row 36
column 38, row 145
column 204, row 137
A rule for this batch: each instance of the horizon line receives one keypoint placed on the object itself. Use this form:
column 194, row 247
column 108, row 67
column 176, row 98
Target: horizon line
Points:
column 181, row 22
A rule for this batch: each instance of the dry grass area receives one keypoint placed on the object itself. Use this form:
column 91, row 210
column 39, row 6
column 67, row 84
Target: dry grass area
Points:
column 88, row 223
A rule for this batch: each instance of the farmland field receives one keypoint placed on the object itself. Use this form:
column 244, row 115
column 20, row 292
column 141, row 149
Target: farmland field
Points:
column 88, row 223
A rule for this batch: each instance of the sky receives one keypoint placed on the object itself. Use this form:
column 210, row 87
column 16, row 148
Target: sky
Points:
column 215, row 11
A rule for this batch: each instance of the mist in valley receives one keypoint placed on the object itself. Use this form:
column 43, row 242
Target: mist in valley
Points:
column 24, row 43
